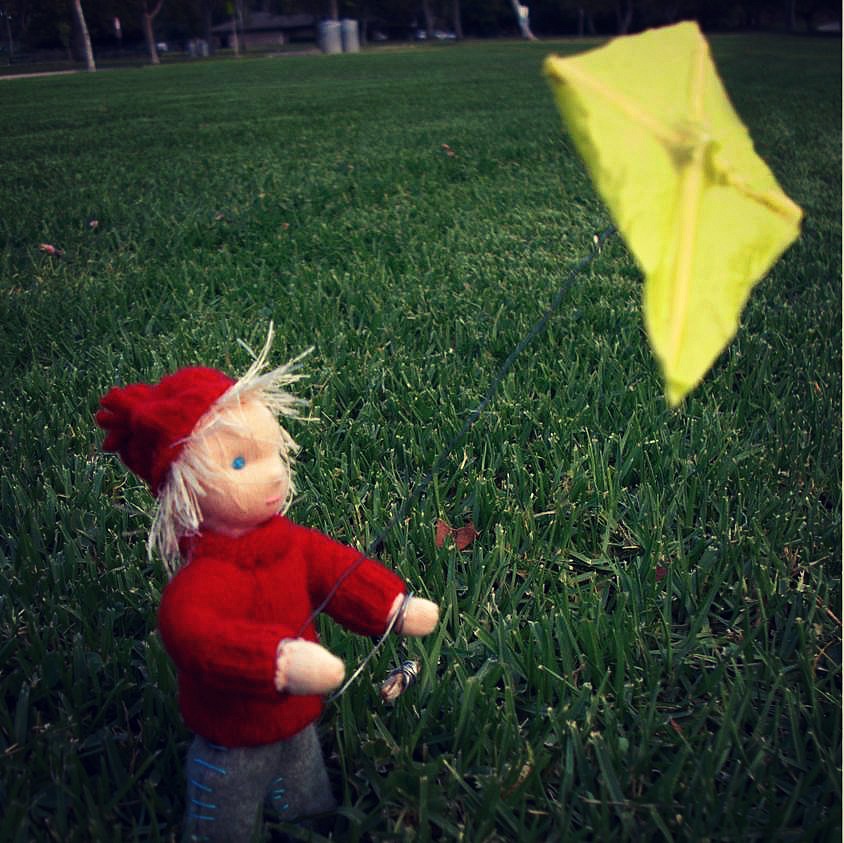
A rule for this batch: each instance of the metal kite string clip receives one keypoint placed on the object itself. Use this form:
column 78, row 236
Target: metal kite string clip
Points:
column 399, row 680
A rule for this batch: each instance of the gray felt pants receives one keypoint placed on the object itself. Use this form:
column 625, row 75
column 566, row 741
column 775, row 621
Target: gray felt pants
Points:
column 227, row 788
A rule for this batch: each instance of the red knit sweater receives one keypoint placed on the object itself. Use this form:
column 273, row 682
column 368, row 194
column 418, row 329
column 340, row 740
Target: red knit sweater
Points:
column 223, row 615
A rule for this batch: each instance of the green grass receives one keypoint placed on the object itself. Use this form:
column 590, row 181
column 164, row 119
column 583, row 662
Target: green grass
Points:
column 569, row 693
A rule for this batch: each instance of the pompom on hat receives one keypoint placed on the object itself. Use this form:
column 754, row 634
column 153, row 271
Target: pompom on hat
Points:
column 147, row 424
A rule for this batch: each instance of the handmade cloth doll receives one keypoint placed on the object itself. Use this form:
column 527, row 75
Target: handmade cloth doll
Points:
column 237, row 614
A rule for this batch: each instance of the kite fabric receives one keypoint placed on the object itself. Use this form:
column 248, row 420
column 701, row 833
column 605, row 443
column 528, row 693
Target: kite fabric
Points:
column 699, row 209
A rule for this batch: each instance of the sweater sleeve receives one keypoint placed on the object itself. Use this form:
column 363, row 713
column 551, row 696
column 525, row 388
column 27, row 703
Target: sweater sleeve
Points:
column 366, row 594
column 205, row 638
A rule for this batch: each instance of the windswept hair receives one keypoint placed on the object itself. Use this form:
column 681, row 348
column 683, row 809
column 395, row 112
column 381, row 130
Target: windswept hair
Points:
column 178, row 512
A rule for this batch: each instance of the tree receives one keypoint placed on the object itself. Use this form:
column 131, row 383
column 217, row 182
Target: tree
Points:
column 429, row 18
column 456, row 20
column 88, row 52
column 149, row 34
column 7, row 16
column 814, row 12
column 522, row 19
column 594, row 13
column 624, row 15
column 207, row 15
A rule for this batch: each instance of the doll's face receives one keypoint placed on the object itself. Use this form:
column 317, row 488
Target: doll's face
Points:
column 251, row 481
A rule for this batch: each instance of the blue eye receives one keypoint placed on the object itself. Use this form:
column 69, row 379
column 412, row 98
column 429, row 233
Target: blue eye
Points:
column 238, row 463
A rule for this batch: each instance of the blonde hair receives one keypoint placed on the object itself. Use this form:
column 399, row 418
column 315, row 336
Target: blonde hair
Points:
column 178, row 512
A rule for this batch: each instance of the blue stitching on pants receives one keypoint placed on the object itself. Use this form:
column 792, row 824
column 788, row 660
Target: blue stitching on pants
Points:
column 210, row 766
column 200, row 809
column 200, row 814
column 204, row 804
column 278, row 792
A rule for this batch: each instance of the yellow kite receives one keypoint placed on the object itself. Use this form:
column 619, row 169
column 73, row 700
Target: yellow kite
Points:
column 699, row 209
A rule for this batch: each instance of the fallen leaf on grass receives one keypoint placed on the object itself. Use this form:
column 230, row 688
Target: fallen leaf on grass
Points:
column 463, row 537
column 449, row 151
column 661, row 572
column 93, row 224
column 676, row 726
column 50, row 249
column 443, row 531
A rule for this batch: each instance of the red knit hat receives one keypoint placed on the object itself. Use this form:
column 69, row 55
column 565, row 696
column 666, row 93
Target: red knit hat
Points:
column 146, row 424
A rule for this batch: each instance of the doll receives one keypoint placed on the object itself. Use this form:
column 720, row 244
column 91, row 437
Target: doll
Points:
column 236, row 615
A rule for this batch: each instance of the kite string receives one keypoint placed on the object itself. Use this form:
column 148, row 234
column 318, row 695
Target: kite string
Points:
column 503, row 370
column 422, row 486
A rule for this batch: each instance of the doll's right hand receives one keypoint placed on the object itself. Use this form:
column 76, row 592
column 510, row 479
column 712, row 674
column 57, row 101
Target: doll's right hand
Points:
column 304, row 667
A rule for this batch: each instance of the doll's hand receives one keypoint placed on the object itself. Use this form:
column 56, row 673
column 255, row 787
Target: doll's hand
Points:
column 304, row 667
column 420, row 616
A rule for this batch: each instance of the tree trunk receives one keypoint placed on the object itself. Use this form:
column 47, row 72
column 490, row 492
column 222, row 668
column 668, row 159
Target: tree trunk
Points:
column 457, row 20
column 11, row 43
column 149, row 37
column 149, row 34
column 242, row 14
column 362, row 14
column 624, row 15
column 671, row 13
column 207, row 23
column 86, row 38
column 429, row 18
column 791, row 15
column 523, row 19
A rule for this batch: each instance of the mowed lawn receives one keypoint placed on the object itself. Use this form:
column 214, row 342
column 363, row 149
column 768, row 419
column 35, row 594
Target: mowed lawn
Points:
column 643, row 642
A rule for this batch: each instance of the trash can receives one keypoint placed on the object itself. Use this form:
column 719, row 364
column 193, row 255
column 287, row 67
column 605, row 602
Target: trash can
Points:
column 349, row 34
column 329, row 36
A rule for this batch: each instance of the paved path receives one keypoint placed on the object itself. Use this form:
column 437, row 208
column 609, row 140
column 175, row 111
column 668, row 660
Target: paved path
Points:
column 312, row 51
column 42, row 73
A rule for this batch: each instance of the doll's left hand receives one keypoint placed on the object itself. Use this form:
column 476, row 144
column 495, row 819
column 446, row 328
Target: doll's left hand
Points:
column 420, row 616
column 305, row 667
